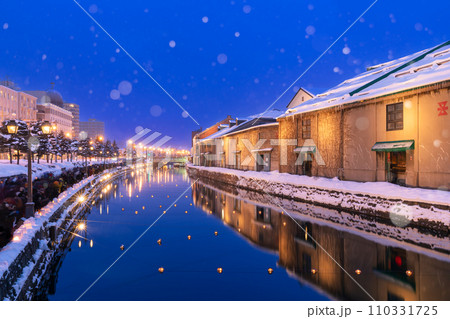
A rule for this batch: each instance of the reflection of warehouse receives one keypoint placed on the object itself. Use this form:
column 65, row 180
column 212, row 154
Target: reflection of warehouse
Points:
column 386, row 273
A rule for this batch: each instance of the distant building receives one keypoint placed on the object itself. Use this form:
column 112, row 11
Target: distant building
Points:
column 50, row 96
column 55, row 115
column 93, row 128
column 75, row 110
column 214, row 128
column 50, row 108
column 301, row 96
column 16, row 105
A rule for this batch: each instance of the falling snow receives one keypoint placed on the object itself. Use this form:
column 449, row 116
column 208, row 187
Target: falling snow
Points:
column 222, row 58
column 346, row 50
column 114, row 94
column 310, row 30
column 125, row 88
column 156, row 110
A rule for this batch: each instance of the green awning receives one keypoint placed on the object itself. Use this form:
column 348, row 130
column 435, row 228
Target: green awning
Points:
column 394, row 146
column 305, row 149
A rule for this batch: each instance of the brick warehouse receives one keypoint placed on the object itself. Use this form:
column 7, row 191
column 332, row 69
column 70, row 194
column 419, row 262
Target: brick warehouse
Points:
column 390, row 123
column 394, row 127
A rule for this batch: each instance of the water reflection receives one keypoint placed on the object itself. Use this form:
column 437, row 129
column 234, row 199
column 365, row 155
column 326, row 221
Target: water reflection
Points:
column 387, row 269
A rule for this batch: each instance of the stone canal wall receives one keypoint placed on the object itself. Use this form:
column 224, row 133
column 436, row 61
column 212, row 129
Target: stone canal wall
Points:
column 25, row 260
column 424, row 215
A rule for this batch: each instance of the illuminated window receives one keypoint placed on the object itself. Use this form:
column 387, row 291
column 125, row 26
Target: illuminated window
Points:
column 394, row 116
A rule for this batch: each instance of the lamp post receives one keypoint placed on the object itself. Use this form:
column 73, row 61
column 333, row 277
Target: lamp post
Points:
column 13, row 128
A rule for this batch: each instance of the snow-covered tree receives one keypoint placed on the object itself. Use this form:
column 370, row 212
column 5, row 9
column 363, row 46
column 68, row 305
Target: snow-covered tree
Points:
column 18, row 141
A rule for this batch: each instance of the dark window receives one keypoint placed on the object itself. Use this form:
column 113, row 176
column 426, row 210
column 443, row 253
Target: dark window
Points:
column 263, row 214
column 394, row 117
column 306, row 129
column 237, row 206
column 303, row 232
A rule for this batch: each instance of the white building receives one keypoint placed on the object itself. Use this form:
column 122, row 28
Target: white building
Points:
column 17, row 105
column 55, row 115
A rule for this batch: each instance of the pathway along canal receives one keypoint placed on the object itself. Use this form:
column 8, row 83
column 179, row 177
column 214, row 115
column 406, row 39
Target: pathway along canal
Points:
column 210, row 229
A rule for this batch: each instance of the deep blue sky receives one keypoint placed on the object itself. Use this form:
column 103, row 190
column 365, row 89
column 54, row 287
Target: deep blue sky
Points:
column 55, row 41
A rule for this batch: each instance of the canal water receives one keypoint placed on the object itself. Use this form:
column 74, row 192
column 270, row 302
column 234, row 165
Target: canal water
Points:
column 215, row 245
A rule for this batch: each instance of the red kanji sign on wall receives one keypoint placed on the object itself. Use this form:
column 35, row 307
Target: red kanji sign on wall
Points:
column 442, row 108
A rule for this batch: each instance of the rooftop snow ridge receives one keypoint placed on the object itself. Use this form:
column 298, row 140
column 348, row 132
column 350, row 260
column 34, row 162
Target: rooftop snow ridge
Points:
column 440, row 53
column 418, row 69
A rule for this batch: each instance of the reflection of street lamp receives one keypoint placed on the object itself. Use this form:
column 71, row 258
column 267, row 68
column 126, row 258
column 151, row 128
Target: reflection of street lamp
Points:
column 13, row 128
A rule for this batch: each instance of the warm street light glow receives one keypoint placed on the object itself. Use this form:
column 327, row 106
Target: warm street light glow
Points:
column 216, row 233
column 358, row 271
column 270, row 271
column 189, row 237
column 81, row 226
column 159, row 241
column 81, row 198
column 122, row 247
column 16, row 238
column 219, row 270
column 409, row 273
column 161, row 269
column 68, row 135
column 100, row 138
column 46, row 128
column 313, row 271
column 12, row 127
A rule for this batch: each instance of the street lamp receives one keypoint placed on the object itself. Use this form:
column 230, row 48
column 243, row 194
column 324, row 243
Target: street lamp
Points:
column 13, row 129
column 46, row 128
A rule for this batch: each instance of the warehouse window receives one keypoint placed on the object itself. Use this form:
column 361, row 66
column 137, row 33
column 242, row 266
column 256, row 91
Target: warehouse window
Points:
column 394, row 116
column 306, row 129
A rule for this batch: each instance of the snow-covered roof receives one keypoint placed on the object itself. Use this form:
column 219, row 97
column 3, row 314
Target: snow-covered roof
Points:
column 422, row 68
column 218, row 133
column 251, row 121
column 271, row 114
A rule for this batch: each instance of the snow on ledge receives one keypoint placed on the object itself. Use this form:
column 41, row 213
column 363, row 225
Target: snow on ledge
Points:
column 382, row 189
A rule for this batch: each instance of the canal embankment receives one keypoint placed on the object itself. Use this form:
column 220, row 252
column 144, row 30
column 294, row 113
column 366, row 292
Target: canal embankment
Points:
column 425, row 209
column 41, row 238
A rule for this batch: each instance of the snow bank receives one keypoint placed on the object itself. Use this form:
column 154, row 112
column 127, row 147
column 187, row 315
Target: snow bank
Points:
column 7, row 169
column 377, row 196
column 30, row 229
column 25, row 233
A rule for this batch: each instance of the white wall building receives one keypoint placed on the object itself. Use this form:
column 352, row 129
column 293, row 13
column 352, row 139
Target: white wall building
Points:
column 17, row 105
column 55, row 115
